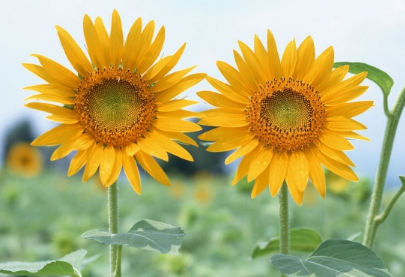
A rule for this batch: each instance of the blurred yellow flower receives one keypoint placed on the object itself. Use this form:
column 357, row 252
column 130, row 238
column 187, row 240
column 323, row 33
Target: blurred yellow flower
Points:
column 119, row 108
column 336, row 184
column 285, row 118
column 24, row 160
column 203, row 193
column 178, row 189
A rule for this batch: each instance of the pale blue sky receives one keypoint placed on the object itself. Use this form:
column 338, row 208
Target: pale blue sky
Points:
column 366, row 31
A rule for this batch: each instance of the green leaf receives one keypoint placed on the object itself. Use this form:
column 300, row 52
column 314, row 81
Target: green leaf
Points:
column 402, row 178
column 145, row 234
column 334, row 258
column 68, row 265
column 301, row 239
column 382, row 79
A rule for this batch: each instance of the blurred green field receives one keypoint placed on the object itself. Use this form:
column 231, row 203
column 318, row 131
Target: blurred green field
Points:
column 42, row 218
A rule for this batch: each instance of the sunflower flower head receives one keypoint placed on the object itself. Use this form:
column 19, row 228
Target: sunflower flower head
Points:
column 118, row 108
column 285, row 118
column 24, row 160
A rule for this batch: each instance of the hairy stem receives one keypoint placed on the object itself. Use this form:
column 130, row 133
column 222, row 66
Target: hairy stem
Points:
column 378, row 190
column 284, row 222
column 115, row 251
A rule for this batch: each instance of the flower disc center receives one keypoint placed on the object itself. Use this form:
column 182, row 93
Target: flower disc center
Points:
column 286, row 114
column 115, row 107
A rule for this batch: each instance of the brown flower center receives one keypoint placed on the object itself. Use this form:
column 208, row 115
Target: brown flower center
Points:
column 115, row 107
column 286, row 114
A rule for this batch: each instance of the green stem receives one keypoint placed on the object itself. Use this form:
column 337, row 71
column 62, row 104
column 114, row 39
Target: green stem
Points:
column 115, row 251
column 383, row 216
column 284, row 222
column 386, row 109
column 378, row 190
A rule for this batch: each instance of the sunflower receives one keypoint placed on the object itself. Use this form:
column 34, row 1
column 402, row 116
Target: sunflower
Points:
column 119, row 108
column 24, row 160
column 285, row 118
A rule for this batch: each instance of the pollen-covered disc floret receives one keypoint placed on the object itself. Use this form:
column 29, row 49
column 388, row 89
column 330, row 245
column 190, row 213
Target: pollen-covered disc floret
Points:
column 116, row 107
column 285, row 118
column 286, row 114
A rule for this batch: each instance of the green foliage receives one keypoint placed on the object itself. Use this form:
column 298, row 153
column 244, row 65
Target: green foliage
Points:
column 145, row 234
column 67, row 265
column 382, row 79
column 333, row 258
column 301, row 239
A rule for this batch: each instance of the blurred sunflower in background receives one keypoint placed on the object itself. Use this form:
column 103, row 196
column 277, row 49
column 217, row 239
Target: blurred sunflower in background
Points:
column 24, row 160
column 119, row 108
column 285, row 118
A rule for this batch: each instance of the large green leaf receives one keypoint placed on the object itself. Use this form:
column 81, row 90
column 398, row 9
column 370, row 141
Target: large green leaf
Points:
column 334, row 258
column 145, row 234
column 68, row 265
column 382, row 79
column 301, row 239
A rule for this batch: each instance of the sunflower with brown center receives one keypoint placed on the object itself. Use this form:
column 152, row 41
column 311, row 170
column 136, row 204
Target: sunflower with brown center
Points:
column 119, row 108
column 285, row 118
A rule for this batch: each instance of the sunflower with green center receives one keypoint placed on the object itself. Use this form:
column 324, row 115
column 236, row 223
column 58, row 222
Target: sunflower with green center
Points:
column 285, row 118
column 119, row 108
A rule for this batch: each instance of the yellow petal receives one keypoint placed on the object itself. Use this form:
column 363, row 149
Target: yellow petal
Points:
column 334, row 79
column 343, row 95
column 53, row 109
column 231, row 141
column 305, row 58
column 242, row 151
column 289, row 60
column 116, row 40
column 351, row 134
column 175, row 105
column 53, row 89
column 107, row 164
column 341, row 123
column 61, row 74
column 83, row 142
column 78, row 161
column 170, row 146
column 262, row 57
column 221, row 132
column 334, row 166
column 154, row 149
column 94, row 157
column 116, row 170
column 180, row 114
column 63, row 150
column 40, row 72
column 296, row 194
column 144, row 44
column 131, row 149
column 75, row 55
column 171, row 79
column 162, row 67
column 179, row 137
column 274, row 59
column 335, row 141
column 316, row 173
column 219, row 100
column 247, row 77
column 321, row 69
column 262, row 181
column 175, row 125
column 234, row 78
column 225, row 120
column 152, row 167
column 131, row 170
column 278, row 171
column 350, row 83
column 252, row 62
column 244, row 165
column 52, row 98
column 104, row 40
column 66, row 118
column 185, row 83
column 131, row 47
column 260, row 162
column 297, row 171
column 349, row 109
column 227, row 91
column 93, row 43
column 153, row 52
column 334, row 154
column 58, row 135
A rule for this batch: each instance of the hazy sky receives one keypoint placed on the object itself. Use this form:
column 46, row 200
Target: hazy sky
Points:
column 365, row 31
